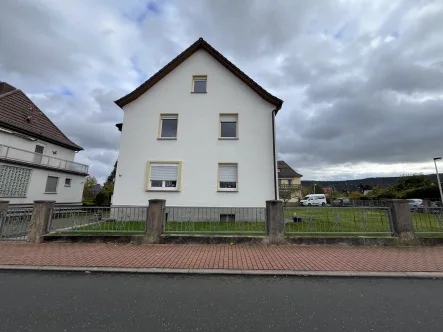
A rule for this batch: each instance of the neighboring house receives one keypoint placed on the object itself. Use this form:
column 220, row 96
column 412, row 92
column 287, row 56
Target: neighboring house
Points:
column 199, row 132
column 95, row 189
column 288, row 177
column 36, row 158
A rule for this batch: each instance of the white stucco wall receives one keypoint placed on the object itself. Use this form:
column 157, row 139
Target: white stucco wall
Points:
column 37, row 185
column 197, row 145
column 22, row 143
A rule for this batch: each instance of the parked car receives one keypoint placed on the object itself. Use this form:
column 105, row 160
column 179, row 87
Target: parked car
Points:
column 342, row 201
column 415, row 204
column 314, row 199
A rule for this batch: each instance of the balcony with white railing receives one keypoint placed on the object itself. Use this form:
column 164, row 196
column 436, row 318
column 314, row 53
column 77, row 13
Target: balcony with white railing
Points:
column 8, row 153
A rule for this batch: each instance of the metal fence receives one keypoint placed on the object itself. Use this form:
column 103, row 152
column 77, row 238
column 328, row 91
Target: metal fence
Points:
column 95, row 220
column 216, row 220
column 14, row 224
column 338, row 221
column 358, row 203
column 428, row 220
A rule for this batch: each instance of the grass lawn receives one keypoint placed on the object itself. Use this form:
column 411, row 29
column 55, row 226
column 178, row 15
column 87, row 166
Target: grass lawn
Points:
column 106, row 228
column 215, row 227
column 336, row 221
column 427, row 224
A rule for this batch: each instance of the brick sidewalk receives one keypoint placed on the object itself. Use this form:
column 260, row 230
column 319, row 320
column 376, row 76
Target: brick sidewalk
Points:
column 243, row 257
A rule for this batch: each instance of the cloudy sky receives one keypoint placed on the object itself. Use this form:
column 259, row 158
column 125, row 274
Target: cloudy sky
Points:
column 362, row 80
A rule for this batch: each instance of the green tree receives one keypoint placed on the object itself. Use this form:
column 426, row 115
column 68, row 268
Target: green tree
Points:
column 411, row 182
column 90, row 182
column 313, row 188
column 111, row 177
column 288, row 191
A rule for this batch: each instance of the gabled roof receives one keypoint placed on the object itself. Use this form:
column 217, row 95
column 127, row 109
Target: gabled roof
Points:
column 199, row 44
column 19, row 113
column 285, row 171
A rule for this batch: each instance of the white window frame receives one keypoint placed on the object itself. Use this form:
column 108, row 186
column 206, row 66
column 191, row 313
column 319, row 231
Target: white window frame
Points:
column 177, row 188
column 160, row 125
column 56, row 186
column 218, row 178
column 199, row 78
column 220, row 125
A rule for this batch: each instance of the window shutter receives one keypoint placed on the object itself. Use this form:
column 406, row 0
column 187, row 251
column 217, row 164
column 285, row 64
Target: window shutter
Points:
column 228, row 117
column 164, row 172
column 169, row 116
column 228, row 173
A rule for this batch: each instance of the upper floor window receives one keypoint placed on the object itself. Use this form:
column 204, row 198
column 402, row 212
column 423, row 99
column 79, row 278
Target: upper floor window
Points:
column 228, row 126
column 168, row 126
column 199, row 84
column 67, row 182
column 39, row 149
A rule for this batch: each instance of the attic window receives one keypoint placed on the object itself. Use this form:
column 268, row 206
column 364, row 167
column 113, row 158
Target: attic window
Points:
column 199, row 84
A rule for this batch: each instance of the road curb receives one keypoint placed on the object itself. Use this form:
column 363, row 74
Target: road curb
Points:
column 361, row 274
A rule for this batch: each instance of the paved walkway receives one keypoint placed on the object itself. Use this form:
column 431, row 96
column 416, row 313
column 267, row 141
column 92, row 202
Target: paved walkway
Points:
column 227, row 257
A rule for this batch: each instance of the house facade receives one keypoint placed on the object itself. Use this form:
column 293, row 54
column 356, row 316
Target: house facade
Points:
column 289, row 179
column 36, row 158
column 198, row 133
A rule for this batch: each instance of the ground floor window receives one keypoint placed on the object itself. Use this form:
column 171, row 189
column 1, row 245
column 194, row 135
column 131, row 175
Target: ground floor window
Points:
column 164, row 176
column 227, row 177
column 51, row 185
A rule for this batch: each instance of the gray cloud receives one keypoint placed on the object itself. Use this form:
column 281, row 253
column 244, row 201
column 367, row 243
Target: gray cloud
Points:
column 362, row 81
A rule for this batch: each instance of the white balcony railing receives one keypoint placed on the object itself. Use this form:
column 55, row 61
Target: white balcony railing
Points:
column 10, row 153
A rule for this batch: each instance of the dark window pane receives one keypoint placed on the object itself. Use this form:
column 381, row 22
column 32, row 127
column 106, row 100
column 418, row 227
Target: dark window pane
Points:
column 39, row 149
column 227, row 217
column 156, row 184
column 51, row 184
column 67, row 182
column 169, row 128
column 199, row 85
column 230, row 185
column 171, row 184
column 229, row 129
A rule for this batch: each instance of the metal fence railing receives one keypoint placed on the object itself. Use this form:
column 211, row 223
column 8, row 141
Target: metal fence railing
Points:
column 215, row 220
column 338, row 221
column 14, row 224
column 96, row 220
column 428, row 220
column 345, row 202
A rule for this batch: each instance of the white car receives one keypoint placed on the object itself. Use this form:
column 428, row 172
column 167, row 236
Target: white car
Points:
column 415, row 204
column 314, row 200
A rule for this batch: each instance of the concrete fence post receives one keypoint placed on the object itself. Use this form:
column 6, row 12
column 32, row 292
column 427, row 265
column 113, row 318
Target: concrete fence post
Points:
column 3, row 209
column 38, row 225
column 154, row 226
column 275, row 221
column 401, row 219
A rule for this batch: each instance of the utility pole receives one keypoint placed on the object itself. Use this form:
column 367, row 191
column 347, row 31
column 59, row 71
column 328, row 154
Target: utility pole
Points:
column 438, row 178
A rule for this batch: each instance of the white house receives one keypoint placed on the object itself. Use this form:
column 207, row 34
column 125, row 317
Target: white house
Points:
column 36, row 158
column 198, row 133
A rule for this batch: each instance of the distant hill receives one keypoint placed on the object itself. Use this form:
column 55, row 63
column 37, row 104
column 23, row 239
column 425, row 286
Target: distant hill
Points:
column 352, row 185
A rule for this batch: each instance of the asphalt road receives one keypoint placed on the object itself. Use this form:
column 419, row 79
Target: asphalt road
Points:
column 55, row 301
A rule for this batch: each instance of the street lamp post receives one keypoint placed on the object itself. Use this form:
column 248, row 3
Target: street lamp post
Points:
column 438, row 177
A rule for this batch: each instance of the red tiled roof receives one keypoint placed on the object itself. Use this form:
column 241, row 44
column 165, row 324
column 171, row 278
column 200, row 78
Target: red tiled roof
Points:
column 15, row 110
column 199, row 44
column 285, row 171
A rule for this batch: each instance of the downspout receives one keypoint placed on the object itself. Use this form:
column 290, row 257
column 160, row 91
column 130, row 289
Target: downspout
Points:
column 273, row 152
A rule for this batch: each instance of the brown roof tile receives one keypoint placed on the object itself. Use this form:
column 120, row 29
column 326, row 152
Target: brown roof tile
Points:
column 16, row 108
column 199, row 44
column 285, row 171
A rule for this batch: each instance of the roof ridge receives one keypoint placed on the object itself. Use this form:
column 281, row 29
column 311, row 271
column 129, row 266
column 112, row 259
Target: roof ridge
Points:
column 180, row 58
